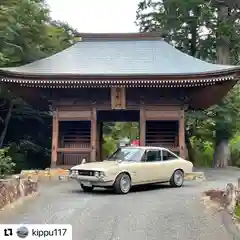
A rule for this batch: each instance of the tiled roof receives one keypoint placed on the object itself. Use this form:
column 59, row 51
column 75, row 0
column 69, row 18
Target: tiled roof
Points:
column 119, row 57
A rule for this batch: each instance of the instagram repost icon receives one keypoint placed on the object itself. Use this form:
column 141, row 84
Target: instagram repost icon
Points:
column 22, row 232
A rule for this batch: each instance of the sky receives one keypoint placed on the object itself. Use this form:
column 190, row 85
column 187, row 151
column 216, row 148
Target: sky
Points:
column 97, row 16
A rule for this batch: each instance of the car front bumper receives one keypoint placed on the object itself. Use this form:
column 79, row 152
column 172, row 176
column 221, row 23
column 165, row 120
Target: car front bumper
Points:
column 93, row 181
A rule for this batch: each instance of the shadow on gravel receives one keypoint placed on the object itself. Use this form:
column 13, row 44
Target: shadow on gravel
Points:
column 135, row 189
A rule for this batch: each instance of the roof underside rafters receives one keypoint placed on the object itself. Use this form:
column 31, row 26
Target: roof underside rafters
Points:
column 117, row 83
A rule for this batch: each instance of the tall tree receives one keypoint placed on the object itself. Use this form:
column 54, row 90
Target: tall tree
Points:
column 27, row 33
column 227, row 42
column 209, row 31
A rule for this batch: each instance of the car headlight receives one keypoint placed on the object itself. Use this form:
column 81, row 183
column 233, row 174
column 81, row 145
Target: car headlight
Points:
column 99, row 174
column 74, row 172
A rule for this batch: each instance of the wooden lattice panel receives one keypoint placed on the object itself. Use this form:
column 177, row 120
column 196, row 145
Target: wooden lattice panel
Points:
column 162, row 134
column 76, row 135
column 75, row 158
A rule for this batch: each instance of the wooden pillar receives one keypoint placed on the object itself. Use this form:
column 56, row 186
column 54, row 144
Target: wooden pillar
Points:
column 93, row 135
column 55, row 133
column 101, row 142
column 61, row 144
column 142, row 126
column 181, row 132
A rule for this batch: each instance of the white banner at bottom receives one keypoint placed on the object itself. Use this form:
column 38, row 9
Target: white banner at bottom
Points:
column 35, row 231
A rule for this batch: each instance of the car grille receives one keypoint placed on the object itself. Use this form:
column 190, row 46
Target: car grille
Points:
column 85, row 173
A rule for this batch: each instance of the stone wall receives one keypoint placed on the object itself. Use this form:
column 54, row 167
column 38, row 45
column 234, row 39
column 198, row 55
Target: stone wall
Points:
column 14, row 189
column 225, row 200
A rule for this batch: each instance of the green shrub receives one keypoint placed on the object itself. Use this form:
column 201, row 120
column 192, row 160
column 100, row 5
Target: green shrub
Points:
column 6, row 163
column 18, row 157
column 203, row 152
column 26, row 155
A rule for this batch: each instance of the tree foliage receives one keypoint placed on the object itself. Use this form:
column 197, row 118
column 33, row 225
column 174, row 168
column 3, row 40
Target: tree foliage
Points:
column 6, row 163
column 208, row 30
column 27, row 33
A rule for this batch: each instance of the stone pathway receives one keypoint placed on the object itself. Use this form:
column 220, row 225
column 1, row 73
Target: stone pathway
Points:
column 150, row 213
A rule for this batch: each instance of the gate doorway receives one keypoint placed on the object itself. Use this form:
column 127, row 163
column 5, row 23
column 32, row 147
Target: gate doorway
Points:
column 114, row 126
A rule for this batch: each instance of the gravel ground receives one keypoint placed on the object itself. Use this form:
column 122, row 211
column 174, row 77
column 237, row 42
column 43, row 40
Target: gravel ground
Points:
column 150, row 213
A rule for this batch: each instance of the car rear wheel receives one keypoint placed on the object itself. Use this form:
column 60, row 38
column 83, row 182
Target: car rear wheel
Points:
column 122, row 183
column 177, row 178
column 86, row 189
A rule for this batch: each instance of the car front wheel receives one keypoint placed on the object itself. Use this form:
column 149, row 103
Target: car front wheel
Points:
column 122, row 183
column 177, row 178
column 86, row 189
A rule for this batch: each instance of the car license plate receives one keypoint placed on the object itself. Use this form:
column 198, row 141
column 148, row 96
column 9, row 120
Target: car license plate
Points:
column 87, row 184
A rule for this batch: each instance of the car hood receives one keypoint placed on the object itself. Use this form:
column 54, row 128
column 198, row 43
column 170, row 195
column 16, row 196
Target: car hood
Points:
column 98, row 166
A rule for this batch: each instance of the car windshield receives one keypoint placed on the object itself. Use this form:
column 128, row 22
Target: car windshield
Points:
column 127, row 154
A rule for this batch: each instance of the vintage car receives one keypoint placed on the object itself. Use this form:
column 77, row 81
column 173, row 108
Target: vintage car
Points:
column 130, row 166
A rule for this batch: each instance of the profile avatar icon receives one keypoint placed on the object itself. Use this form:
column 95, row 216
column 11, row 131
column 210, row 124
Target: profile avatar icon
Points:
column 22, row 232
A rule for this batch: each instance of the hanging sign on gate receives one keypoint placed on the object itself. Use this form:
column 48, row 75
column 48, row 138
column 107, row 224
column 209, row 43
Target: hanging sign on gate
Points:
column 118, row 98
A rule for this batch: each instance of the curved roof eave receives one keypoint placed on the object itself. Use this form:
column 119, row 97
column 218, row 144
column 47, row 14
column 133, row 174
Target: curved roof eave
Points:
column 8, row 74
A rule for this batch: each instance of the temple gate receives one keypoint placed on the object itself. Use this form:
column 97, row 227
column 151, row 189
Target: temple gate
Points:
column 119, row 77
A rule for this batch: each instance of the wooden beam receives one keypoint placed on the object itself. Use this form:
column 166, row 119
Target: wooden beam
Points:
column 162, row 107
column 93, row 135
column 162, row 115
column 74, row 115
column 55, row 134
column 181, row 132
column 73, row 150
column 175, row 149
column 142, row 126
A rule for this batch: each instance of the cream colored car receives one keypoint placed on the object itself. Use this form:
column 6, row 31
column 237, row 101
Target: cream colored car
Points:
column 130, row 166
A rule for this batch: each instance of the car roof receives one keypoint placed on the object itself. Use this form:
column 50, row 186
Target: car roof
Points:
column 147, row 147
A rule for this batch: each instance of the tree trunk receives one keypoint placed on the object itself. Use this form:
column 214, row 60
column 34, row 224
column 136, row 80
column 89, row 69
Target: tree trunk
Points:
column 194, row 31
column 222, row 151
column 6, row 122
column 223, row 51
column 221, row 154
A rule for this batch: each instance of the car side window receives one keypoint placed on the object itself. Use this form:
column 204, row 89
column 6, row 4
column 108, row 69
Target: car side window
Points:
column 166, row 156
column 152, row 156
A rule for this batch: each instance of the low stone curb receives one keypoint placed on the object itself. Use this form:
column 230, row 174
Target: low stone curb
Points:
column 197, row 176
column 63, row 175
column 46, row 175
